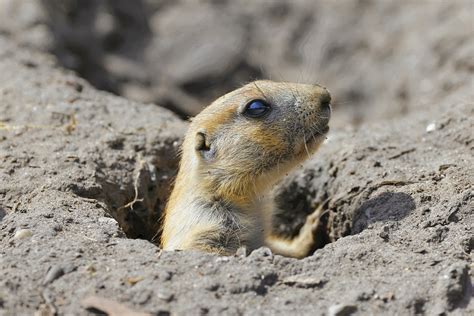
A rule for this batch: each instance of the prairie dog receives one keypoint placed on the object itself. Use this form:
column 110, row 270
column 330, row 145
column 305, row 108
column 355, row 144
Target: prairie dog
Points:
column 233, row 153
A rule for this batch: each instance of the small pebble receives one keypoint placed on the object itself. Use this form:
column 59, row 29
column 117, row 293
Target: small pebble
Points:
column 342, row 310
column 165, row 295
column 22, row 234
column 384, row 234
column 212, row 286
column 222, row 259
column 143, row 297
column 305, row 281
column 262, row 252
column 165, row 275
column 242, row 252
column 431, row 127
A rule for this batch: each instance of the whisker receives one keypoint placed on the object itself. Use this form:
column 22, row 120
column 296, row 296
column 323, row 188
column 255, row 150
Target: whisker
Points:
column 337, row 103
column 324, row 117
column 306, row 147
column 258, row 88
column 291, row 91
column 318, row 132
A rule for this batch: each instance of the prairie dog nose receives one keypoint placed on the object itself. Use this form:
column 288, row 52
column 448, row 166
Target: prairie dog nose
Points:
column 313, row 105
column 325, row 99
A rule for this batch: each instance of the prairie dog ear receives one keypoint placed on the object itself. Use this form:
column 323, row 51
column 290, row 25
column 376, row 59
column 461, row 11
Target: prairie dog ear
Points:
column 201, row 142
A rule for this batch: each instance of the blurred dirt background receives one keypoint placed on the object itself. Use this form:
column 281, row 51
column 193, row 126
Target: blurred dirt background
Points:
column 84, row 174
column 380, row 59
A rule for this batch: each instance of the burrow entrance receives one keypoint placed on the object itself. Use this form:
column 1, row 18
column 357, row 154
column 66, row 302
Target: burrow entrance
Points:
column 139, row 207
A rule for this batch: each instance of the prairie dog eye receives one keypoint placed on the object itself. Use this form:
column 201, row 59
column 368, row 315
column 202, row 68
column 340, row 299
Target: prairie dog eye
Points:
column 256, row 109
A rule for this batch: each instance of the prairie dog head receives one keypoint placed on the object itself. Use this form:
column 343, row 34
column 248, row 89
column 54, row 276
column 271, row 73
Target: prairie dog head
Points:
column 248, row 139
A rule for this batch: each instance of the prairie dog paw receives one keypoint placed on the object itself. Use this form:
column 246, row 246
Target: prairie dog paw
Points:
column 312, row 221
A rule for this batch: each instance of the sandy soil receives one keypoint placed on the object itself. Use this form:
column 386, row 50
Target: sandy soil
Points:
column 84, row 176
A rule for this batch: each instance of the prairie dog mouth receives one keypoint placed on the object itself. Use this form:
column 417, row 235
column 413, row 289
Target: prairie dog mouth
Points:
column 325, row 130
column 317, row 133
column 316, row 137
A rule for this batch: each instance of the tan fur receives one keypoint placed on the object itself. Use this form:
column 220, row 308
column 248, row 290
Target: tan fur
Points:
column 221, row 196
